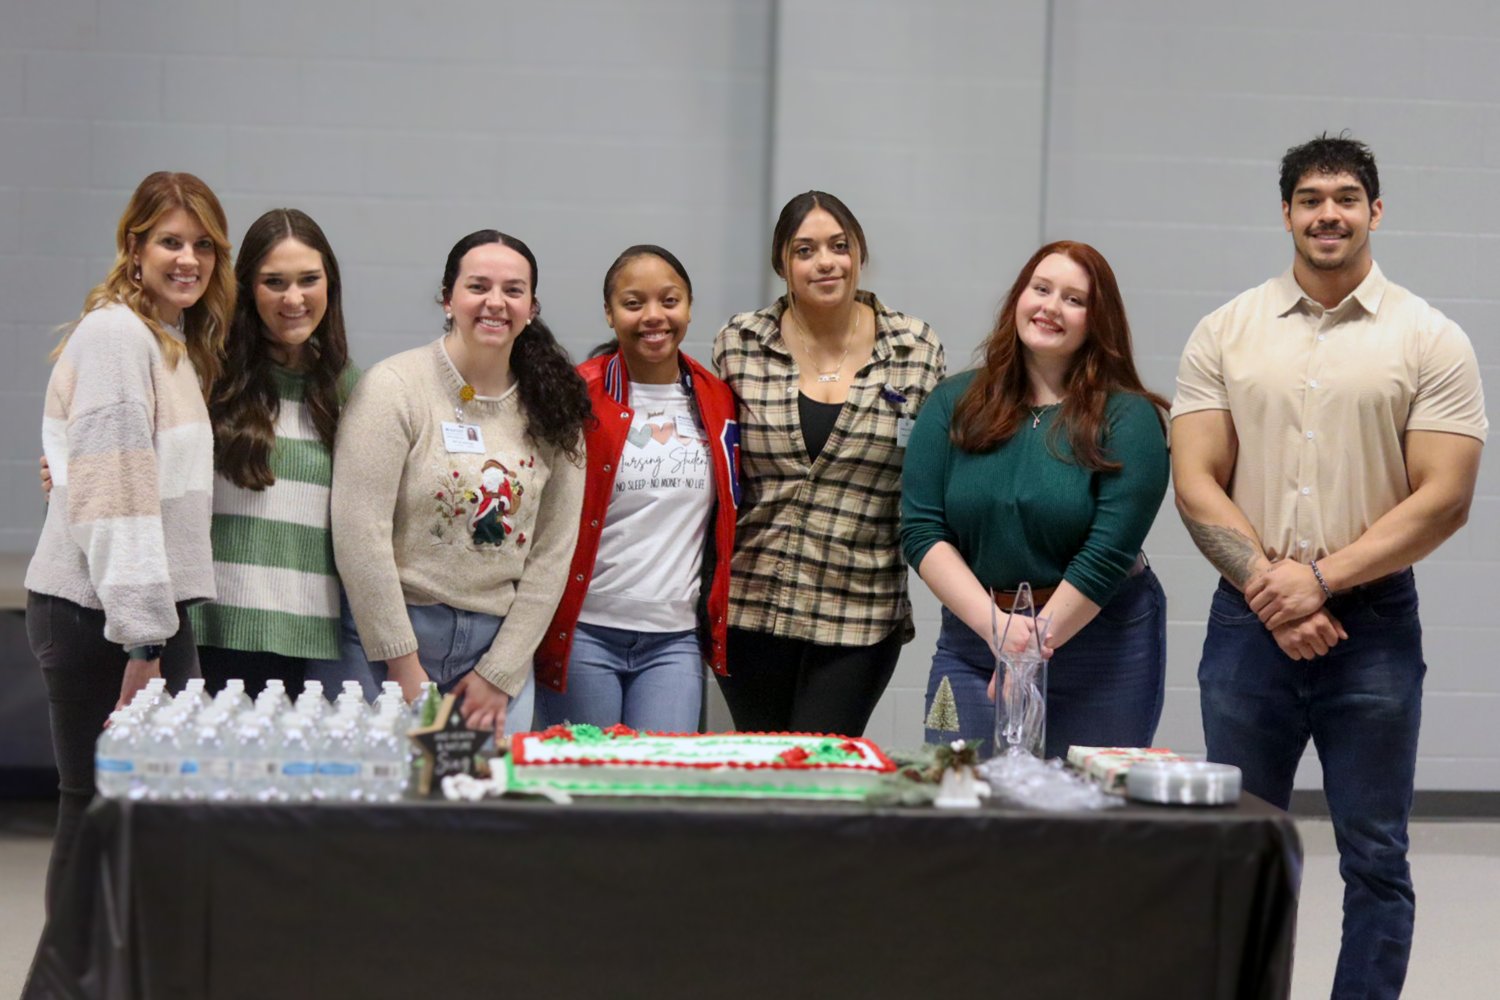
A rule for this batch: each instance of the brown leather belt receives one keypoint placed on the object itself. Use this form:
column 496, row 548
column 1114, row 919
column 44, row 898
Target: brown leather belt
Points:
column 1005, row 600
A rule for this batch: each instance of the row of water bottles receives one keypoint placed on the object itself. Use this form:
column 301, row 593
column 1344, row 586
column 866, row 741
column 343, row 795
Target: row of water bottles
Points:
column 228, row 749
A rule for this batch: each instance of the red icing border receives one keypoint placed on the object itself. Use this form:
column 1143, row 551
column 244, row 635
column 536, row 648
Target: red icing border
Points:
column 518, row 755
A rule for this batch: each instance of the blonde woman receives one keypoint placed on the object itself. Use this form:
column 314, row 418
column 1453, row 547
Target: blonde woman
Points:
column 125, row 547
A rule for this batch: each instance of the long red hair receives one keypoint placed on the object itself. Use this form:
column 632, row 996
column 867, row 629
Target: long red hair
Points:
column 991, row 409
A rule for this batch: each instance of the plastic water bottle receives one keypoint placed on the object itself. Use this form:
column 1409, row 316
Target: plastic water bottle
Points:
column 273, row 700
column 311, row 702
column 340, row 767
column 115, row 756
column 297, row 750
column 197, row 687
column 211, row 753
column 352, row 695
column 254, row 760
column 387, row 760
column 390, row 696
column 161, row 755
column 234, row 695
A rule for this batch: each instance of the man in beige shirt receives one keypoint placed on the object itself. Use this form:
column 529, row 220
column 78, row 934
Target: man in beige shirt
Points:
column 1325, row 436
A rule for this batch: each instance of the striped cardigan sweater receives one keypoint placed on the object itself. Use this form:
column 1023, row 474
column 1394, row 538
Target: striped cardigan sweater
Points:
column 128, row 440
column 273, row 550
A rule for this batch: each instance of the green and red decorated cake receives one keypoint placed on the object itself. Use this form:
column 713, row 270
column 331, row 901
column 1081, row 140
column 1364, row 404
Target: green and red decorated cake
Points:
column 587, row 760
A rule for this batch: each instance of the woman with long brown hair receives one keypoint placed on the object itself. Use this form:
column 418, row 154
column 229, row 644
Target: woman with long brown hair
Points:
column 828, row 378
column 1047, row 464
column 125, row 546
column 275, row 412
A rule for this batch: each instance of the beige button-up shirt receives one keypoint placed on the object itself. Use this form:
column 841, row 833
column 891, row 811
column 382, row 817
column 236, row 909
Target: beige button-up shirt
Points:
column 1321, row 400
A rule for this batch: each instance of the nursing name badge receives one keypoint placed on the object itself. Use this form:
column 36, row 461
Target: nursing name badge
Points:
column 463, row 437
column 904, row 425
column 687, row 428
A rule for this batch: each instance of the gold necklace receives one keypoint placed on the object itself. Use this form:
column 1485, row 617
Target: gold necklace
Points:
column 837, row 373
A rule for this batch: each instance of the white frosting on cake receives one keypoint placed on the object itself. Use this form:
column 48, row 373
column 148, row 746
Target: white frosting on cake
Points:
column 724, row 764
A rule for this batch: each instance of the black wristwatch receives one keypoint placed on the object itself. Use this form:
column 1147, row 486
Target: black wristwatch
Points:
column 147, row 652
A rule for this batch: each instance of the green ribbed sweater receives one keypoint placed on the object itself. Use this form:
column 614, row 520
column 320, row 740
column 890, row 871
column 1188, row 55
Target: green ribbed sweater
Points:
column 1025, row 511
column 273, row 548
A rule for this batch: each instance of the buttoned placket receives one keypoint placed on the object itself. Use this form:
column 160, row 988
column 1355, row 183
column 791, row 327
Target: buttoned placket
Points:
column 1314, row 384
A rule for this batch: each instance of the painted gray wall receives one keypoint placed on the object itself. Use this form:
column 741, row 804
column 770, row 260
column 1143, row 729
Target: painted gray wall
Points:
column 962, row 133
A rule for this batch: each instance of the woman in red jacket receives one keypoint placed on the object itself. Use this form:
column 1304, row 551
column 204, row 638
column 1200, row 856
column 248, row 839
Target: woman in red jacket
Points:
column 648, row 590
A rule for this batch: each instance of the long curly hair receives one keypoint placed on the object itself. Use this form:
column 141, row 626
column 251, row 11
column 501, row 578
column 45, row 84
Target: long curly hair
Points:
column 553, row 396
column 205, row 324
column 244, row 403
column 991, row 409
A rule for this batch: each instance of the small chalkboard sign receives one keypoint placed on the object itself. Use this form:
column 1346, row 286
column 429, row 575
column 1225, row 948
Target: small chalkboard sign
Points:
column 447, row 746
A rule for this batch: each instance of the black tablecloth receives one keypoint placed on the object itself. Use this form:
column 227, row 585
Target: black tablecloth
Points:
column 674, row 899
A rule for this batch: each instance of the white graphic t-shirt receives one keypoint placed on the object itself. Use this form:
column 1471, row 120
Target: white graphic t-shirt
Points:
column 646, row 576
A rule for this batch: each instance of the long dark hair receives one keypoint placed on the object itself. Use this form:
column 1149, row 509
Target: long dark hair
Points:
column 553, row 396
column 990, row 410
column 244, row 403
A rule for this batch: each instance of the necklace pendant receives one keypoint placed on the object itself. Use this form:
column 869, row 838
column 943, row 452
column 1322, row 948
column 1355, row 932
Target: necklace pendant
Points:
column 1036, row 420
column 828, row 377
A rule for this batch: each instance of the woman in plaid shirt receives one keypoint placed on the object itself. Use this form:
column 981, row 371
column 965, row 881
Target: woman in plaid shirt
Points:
column 829, row 381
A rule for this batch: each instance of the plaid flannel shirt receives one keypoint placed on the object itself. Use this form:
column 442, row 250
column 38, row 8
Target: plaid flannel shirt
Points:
column 818, row 546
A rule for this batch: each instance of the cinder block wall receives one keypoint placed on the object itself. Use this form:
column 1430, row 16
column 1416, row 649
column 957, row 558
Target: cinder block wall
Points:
column 962, row 133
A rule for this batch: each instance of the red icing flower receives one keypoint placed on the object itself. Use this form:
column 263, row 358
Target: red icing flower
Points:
column 438, row 495
column 455, row 473
column 795, row 757
column 558, row 733
column 619, row 729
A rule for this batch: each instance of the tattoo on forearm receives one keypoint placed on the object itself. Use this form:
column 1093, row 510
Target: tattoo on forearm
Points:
column 1231, row 551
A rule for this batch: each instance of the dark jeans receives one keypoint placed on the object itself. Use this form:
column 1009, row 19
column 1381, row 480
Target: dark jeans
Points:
column 83, row 672
column 1104, row 686
column 1362, row 706
column 253, row 667
column 780, row 685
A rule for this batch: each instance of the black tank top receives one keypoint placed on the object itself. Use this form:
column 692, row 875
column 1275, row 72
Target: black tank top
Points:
column 817, row 422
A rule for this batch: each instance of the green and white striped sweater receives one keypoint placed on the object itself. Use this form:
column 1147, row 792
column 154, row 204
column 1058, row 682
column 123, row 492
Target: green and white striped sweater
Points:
column 273, row 549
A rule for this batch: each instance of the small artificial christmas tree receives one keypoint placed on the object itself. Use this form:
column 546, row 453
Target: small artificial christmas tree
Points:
column 944, row 714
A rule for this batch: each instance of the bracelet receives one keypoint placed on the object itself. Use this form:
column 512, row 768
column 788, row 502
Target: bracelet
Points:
column 1327, row 594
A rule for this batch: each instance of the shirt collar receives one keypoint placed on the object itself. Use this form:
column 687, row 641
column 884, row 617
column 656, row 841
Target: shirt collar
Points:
column 617, row 378
column 1368, row 293
column 766, row 326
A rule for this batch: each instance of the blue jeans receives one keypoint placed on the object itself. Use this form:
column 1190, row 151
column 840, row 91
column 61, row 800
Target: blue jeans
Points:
column 1104, row 686
column 1362, row 707
column 449, row 643
column 647, row 680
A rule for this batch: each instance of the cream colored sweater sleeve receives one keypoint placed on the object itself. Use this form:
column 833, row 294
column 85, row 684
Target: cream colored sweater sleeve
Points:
column 376, row 433
column 508, row 661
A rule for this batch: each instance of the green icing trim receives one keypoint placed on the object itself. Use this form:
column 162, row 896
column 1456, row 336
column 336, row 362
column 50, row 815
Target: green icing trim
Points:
column 668, row 789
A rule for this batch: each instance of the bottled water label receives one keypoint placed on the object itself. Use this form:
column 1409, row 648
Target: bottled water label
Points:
column 384, row 771
column 189, row 767
column 109, row 765
column 255, row 769
column 156, row 769
column 217, row 769
column 298, row 769
column 338, row 768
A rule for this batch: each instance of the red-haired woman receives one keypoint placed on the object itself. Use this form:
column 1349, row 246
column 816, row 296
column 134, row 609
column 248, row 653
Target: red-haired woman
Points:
column 1047, row 464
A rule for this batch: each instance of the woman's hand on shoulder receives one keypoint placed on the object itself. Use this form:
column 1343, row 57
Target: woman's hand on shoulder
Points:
column 484, row 705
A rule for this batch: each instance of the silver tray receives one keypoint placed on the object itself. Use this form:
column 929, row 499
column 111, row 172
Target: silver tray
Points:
column 1183, row 783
